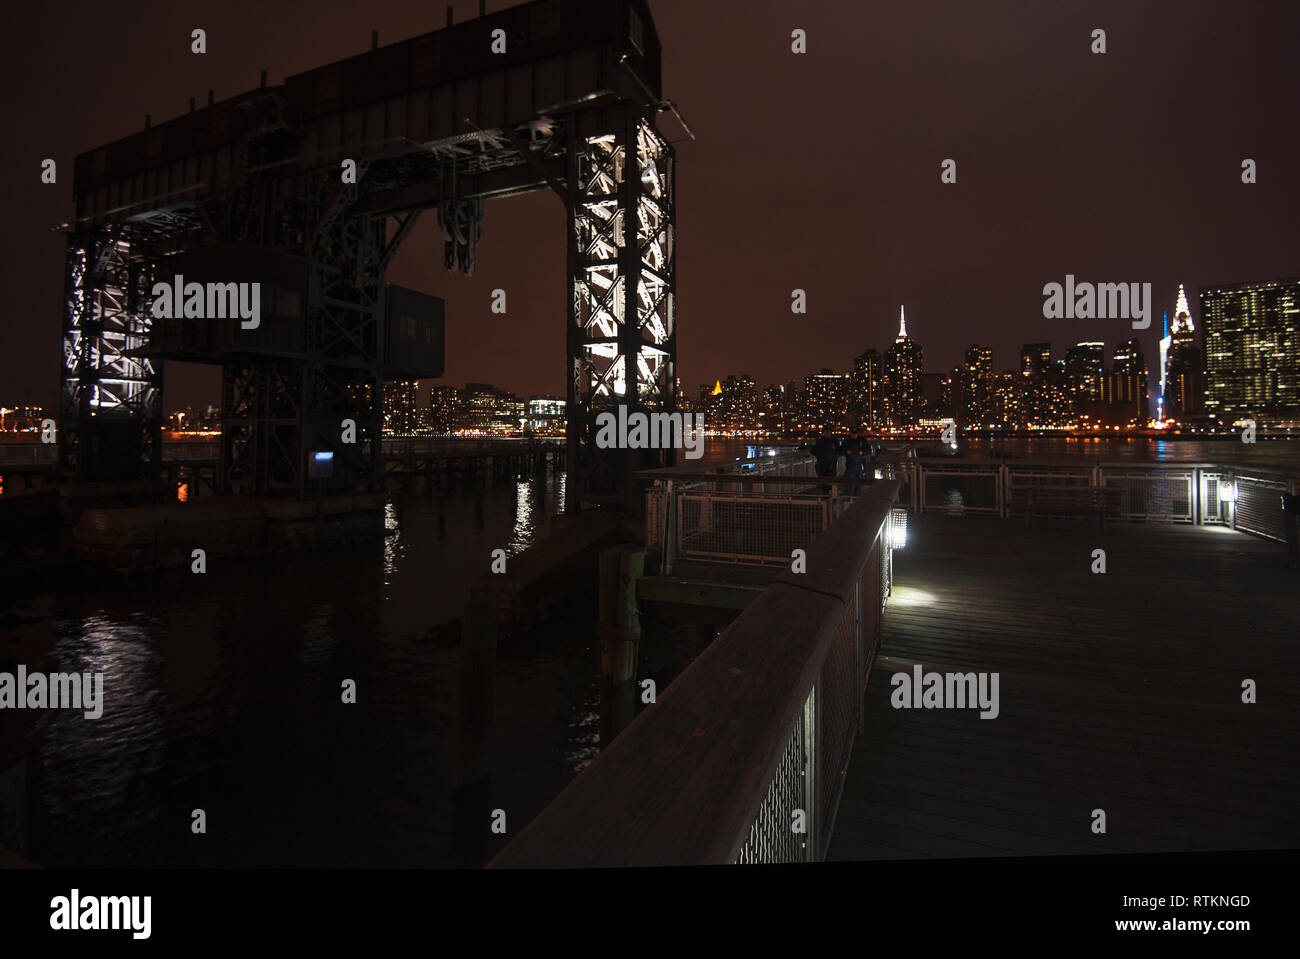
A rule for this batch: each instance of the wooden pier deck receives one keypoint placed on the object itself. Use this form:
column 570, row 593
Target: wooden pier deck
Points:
column 1119, row 691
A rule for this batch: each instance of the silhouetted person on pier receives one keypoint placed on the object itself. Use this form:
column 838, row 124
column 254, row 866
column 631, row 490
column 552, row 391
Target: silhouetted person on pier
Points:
column 874, row 452
column 827, row 452
column 856, row 457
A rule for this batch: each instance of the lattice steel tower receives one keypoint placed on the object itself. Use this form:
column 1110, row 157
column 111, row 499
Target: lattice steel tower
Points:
column 559, row 94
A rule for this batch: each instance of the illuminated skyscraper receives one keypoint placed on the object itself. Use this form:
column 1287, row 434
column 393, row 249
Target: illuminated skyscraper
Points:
column 904, row 366
column 1007, row 399
column 1126, row 386
column 977, row 387
column 399, row 406
column 1182, row 380
column 1035, row 358
column 444, row 408
column 826, row 406
column 1252, row 351
column 867, row 387
column 1085, row 364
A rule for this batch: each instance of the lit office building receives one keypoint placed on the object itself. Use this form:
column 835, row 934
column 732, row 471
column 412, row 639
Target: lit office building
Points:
column 903, row 368
column 1035, row 358
column 400, row 415
column 546, row 415
column 866, row 387
column 977, row 387
column 444, row 409
column 1125, row 389
column 826, row 405
column 1007, row 394
column 1252, row 351
column 1085, row 365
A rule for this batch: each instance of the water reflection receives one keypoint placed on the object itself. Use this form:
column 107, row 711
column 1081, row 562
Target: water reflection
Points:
column 222, row 692
column 521, row 537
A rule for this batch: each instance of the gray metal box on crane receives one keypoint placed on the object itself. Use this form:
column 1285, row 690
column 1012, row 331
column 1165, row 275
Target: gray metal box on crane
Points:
column 415, row 329
column 282, row 288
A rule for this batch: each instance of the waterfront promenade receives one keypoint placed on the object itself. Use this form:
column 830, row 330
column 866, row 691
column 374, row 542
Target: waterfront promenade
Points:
column 1119, row 691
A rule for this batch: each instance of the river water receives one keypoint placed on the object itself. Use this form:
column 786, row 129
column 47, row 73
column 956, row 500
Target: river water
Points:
column 223, row 691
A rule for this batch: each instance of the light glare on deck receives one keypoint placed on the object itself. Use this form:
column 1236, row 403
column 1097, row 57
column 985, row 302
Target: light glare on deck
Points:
column 910, row 596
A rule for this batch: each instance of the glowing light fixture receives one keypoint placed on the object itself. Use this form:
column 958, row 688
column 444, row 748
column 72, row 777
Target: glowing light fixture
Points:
column 897, row 532
column 321, row 465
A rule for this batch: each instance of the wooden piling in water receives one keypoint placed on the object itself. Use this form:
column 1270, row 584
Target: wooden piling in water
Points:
column 476, row 663
column 471, row 765
column 619, row 634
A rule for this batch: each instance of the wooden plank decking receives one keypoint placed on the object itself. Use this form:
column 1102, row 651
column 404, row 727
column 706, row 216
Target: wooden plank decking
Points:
column 1119, row 691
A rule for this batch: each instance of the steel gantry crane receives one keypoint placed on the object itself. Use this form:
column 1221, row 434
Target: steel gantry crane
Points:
column 553, row 94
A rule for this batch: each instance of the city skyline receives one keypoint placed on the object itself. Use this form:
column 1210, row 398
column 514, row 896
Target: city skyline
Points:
column 1251, row 323
column 1176, row 392
column 1118, row 189
column 894, row 389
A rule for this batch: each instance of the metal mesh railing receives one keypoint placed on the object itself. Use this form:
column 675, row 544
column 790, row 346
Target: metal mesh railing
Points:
column 839, row 699
column 750, row 527
column 832, row 718
column 1213, row 506
column 753, row 517
column 772, row 837
column 656, row 517
column 1197, row 493
column 1258, row 506
column 958, row 490
column 1154, row 495
column 1020, row 483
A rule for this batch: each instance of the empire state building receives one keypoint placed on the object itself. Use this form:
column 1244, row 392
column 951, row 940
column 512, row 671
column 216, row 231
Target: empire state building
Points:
column 904, row 367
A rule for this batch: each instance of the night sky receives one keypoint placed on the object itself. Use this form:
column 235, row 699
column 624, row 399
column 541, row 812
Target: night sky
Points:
column 818, row 171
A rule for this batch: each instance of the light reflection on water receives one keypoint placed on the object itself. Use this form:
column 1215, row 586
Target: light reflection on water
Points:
column 223, row 692
column 100, row 760
column 525, row 524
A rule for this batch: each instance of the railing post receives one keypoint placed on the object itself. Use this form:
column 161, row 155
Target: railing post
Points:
column 671, row 520
column 860, row 641
column 812, row 709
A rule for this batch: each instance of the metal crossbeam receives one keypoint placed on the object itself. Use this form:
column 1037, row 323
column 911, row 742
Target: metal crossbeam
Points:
column 572, row 113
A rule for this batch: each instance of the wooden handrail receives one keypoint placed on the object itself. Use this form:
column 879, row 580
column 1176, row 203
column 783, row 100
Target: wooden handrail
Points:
column 683, row 783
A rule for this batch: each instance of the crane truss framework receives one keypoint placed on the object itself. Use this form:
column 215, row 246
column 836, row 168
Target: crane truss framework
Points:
column 275, row 184
column 622, row 249
column 110, row 395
